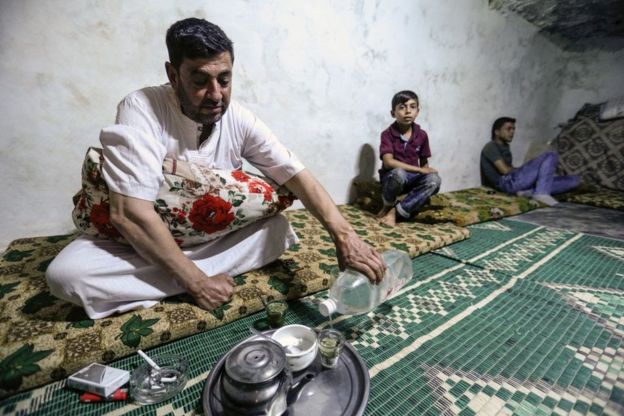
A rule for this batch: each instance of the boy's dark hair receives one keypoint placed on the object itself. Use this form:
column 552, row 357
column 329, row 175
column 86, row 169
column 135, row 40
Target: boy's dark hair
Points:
column 498, row 123
column 403, row 97
column 194, row 38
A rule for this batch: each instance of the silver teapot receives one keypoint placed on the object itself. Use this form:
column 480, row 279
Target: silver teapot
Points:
column 256, row 379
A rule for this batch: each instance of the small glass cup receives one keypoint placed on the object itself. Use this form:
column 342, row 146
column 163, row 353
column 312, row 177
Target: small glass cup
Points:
column 330, row 343
column 276, row 312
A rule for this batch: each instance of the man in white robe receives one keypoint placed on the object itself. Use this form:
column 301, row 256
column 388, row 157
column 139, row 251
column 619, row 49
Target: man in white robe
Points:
column 193, row 119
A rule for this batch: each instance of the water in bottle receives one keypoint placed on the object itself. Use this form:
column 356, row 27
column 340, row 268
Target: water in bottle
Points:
column 353, row 294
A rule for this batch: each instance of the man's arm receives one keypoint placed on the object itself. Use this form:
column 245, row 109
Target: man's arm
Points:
column 390, row 162
column 143, row 228
column 351, row 251
column 502, row 167
column 493, row 155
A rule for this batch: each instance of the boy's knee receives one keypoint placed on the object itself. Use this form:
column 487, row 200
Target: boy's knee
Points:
column 434, row 181
column 398, row 175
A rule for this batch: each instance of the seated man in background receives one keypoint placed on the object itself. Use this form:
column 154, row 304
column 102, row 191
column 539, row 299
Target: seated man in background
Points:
column 404, row 152
column 192, row 119
column 535, row 179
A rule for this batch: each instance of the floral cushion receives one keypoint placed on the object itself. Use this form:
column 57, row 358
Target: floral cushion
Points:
column 197, row 204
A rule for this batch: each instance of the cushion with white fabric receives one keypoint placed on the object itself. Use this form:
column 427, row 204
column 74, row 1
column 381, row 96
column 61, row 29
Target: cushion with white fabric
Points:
column 196, row 203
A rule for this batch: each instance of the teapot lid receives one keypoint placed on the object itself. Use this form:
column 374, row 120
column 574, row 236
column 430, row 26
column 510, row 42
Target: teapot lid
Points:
column 255, row 361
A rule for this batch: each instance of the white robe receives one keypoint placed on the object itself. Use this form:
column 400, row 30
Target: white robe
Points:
column 106, row 277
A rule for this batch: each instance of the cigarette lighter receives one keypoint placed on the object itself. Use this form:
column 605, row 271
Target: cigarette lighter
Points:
column 119, row 395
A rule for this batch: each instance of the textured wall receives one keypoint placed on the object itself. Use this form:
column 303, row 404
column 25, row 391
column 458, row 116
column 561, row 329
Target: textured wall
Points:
column 589, row 77
column 320, row 74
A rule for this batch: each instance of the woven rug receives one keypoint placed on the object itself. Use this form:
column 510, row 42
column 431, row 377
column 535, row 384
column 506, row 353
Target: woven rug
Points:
column 579, row 218
column 43, row 339
column 518, row 319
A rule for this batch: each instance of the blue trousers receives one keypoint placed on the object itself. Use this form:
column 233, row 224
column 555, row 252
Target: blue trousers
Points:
column 538, row 176
column 418, row 186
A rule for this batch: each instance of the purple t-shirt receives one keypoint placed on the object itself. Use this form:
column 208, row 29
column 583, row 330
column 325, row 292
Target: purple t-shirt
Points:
column 407, row 152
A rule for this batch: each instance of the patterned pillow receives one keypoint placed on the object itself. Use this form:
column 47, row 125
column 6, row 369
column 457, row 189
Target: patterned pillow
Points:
column 593, row 149
column 197, row 204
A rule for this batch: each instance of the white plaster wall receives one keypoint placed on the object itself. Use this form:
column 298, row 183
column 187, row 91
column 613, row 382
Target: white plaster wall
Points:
column 320, row 73
column 590, row 77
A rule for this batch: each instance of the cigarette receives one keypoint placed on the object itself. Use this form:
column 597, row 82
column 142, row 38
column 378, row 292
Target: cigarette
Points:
column 148, row 360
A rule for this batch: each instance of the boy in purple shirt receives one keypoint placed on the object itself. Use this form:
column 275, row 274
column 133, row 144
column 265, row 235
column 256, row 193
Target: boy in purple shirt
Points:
column 404, row 151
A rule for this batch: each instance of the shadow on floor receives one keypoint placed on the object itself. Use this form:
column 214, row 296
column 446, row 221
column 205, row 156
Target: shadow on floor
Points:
column 579, row 218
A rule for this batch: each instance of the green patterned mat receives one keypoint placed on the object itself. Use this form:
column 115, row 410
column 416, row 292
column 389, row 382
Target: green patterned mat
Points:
column 518, row 319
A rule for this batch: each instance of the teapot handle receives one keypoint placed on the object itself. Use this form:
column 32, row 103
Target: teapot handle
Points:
column 295, row 390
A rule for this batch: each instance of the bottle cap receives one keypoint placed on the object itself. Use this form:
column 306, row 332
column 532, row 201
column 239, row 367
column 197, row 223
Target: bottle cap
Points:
column 327, row 307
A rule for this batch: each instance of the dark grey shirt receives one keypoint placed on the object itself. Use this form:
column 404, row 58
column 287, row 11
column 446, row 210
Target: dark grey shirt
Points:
column 492, row 152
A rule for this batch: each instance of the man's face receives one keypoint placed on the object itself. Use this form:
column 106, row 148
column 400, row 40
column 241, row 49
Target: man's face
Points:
column 506, row 132
column 203, row 86
column 406, row 113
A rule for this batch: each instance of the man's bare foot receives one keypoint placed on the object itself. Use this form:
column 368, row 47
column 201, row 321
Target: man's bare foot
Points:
column 389, row 218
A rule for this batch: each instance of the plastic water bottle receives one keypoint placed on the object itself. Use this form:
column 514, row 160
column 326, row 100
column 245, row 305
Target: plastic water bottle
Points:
column 353, row 294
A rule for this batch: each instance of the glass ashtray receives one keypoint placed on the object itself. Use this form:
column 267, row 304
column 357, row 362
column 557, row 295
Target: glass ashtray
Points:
column 149, row 385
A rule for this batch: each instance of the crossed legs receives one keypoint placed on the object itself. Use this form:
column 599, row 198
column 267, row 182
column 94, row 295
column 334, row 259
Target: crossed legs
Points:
column 418, row 186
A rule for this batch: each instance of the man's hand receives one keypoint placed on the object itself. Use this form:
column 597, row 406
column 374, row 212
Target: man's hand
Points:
column 355, row 254
column 351, row 251
column 137, row 221
column 210, row 292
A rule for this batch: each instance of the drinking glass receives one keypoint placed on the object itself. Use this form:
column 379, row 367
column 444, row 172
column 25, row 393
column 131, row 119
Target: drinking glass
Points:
column 330, row 343
column 276, row 312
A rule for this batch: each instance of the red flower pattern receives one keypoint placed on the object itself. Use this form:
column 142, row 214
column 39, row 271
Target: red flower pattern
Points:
column 100, row 218
column 240, row 176
column 211, row 214
column 257, row 187
column 284, row 201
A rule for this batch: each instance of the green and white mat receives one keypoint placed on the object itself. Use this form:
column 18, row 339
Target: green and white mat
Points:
column 518, row 319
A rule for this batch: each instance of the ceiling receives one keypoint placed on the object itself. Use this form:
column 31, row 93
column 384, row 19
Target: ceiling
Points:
column 574, row 25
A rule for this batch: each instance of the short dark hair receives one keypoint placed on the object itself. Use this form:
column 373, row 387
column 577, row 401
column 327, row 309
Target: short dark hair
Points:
column 402, row 97
column 499, row 122
column 194, row 38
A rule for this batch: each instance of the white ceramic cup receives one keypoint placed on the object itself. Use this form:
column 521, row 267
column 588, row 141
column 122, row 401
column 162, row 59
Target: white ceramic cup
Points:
column 300, row 343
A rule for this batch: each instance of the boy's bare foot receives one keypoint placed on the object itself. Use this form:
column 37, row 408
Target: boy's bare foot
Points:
column 382, row 213
column 389, row 218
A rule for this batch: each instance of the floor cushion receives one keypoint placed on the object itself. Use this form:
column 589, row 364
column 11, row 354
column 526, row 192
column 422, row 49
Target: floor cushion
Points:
column 463, row 207
column 602, row 198
column 43, row 339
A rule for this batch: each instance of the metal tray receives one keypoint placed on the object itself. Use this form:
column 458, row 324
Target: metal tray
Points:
column 340, row 391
